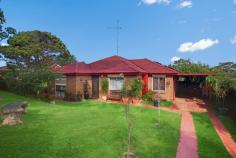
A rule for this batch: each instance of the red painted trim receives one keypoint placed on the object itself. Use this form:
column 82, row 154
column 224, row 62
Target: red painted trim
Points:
column 85, row 74
column 171, row 74
column 124, row 73
column 145, row 84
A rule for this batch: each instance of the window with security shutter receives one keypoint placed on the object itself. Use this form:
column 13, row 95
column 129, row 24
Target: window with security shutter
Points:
column 159, row 83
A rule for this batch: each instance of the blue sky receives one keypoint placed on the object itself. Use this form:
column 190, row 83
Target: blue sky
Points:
column 202, row 30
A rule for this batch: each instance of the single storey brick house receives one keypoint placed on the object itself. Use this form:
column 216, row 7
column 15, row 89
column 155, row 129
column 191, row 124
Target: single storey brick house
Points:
column 117, row 70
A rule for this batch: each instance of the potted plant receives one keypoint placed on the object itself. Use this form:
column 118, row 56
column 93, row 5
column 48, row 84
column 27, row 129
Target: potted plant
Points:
column 104, row 89
column 124, row 94
column 135, row 91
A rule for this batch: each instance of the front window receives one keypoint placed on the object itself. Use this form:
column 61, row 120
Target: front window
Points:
column 159, row 83
column 60, row 90
column 116, row 83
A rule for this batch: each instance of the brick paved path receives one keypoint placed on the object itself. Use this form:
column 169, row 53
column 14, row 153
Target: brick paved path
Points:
column 187, row 147
column 190, row 105
column 223, row 133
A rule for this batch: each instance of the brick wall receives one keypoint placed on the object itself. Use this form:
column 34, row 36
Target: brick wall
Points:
column 169, row 93
column 71, row 85
column 75, row 84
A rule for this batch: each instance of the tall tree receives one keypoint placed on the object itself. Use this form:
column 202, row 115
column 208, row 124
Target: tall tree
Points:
column 5, row 32
column 35, row 49
column 229, row 67
column 31, row 55
column 183, row 65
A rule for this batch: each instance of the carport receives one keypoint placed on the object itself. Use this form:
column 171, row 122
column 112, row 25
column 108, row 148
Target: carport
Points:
column 190, row 91
column 191, row 85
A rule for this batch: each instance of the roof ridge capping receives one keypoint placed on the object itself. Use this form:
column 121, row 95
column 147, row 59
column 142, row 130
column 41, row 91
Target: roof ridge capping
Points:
column 156, row 62
column 131, row 64
column 152, row 62
column 123, row 60
column 167, row 67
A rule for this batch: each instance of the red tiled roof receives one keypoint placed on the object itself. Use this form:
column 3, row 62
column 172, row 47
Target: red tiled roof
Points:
column 153, row 67
column 76, row 68
column 115, row 65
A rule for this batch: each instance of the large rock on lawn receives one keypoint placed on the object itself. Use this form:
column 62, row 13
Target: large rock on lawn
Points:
column 12, row 113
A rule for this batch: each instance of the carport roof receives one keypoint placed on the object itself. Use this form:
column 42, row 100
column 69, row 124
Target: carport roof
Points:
column 194, row 74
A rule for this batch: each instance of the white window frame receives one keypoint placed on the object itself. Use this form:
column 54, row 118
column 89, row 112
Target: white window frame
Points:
column 159, row 76
column 113, row 78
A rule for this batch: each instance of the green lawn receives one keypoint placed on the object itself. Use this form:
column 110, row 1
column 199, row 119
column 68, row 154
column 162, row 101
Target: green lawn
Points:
column 209, row 143
column 87, row 130
column 230, row 125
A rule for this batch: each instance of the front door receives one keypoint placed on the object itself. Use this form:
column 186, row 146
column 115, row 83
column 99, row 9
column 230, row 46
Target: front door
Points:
column 95, row 87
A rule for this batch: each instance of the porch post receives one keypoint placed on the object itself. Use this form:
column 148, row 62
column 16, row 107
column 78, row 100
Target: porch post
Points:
column 145, row 84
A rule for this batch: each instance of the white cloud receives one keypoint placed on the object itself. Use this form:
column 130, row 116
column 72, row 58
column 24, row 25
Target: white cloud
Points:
column 233, row 40
column 150, row 2
column 174, row 59
column 197, row 46
column 185, row 4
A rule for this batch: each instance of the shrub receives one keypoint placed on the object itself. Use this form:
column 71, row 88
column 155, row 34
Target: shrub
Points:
column 221, row 85
column 149, row 96
column 46, row 96
column 136, row 87
column 166, row 103
column 73, row 98
column 31, row 83
column 105, row 86
column 124, row 91
column 85, row 90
